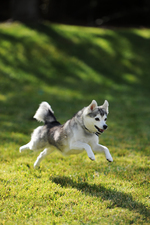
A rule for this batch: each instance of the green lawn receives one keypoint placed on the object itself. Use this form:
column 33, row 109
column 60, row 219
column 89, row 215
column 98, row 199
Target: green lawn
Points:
column 70, row 66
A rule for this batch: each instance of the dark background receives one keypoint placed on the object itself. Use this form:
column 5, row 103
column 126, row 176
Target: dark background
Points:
column 97, row 13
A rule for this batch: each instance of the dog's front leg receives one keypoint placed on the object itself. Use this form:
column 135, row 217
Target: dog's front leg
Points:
column 78, row 145
column 100, row 148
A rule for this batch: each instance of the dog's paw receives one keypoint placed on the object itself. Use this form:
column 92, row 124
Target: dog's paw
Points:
column 110, row 159
column 20, row 149
column 92, row 157
column 36, row 165
column 108, row 155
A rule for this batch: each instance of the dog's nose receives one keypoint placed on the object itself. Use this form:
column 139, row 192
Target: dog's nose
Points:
column 105, row 127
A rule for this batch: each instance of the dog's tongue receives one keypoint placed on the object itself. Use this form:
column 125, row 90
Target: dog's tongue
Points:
column 101, row 130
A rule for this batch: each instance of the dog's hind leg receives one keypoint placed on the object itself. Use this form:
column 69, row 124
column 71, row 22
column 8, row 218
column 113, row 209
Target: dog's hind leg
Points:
column 42, row 155
column 24, row 147
column 31, row 145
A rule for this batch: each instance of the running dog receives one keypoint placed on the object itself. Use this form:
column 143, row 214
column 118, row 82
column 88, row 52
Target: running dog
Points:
column 75, row 136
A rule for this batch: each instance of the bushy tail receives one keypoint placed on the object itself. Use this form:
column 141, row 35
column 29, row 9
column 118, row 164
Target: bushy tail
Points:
column 45, row 113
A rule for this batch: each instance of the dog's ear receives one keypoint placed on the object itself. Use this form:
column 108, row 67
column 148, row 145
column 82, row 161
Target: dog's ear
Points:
column 105, row 106
column 93, row 105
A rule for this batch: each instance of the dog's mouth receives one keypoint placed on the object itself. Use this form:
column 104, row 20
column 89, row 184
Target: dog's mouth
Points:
column 99, row 130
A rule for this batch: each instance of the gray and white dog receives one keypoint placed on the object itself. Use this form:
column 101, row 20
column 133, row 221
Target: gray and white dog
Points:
column 76, row 135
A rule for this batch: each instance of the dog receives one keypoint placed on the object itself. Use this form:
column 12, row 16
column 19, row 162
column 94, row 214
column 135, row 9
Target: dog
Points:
column 75, row 136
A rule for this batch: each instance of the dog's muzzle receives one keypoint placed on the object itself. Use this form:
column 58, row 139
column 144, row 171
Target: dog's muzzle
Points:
column 100, row 130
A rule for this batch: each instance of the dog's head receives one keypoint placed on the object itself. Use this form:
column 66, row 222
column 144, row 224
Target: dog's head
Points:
column 95, row 117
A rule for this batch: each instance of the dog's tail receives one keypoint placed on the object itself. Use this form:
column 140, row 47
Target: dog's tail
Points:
column 45, row 113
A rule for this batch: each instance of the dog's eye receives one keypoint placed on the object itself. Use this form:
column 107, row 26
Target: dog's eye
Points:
column 97, row 119
column 105, row 119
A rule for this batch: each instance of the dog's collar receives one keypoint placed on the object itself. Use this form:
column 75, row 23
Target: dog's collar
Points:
column 86, row 129
column 97, row 133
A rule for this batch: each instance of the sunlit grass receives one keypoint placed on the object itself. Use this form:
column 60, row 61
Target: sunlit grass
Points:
column 68, row 66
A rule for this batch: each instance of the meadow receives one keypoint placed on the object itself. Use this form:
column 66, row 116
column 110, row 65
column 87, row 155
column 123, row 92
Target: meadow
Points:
column 68, row 67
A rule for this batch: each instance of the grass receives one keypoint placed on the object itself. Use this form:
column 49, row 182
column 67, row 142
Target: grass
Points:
column 69, row 66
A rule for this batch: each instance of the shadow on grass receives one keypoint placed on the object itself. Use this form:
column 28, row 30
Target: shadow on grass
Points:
column 121, row 67
column 126, row 57
column 117, row 198
column 119, row 70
